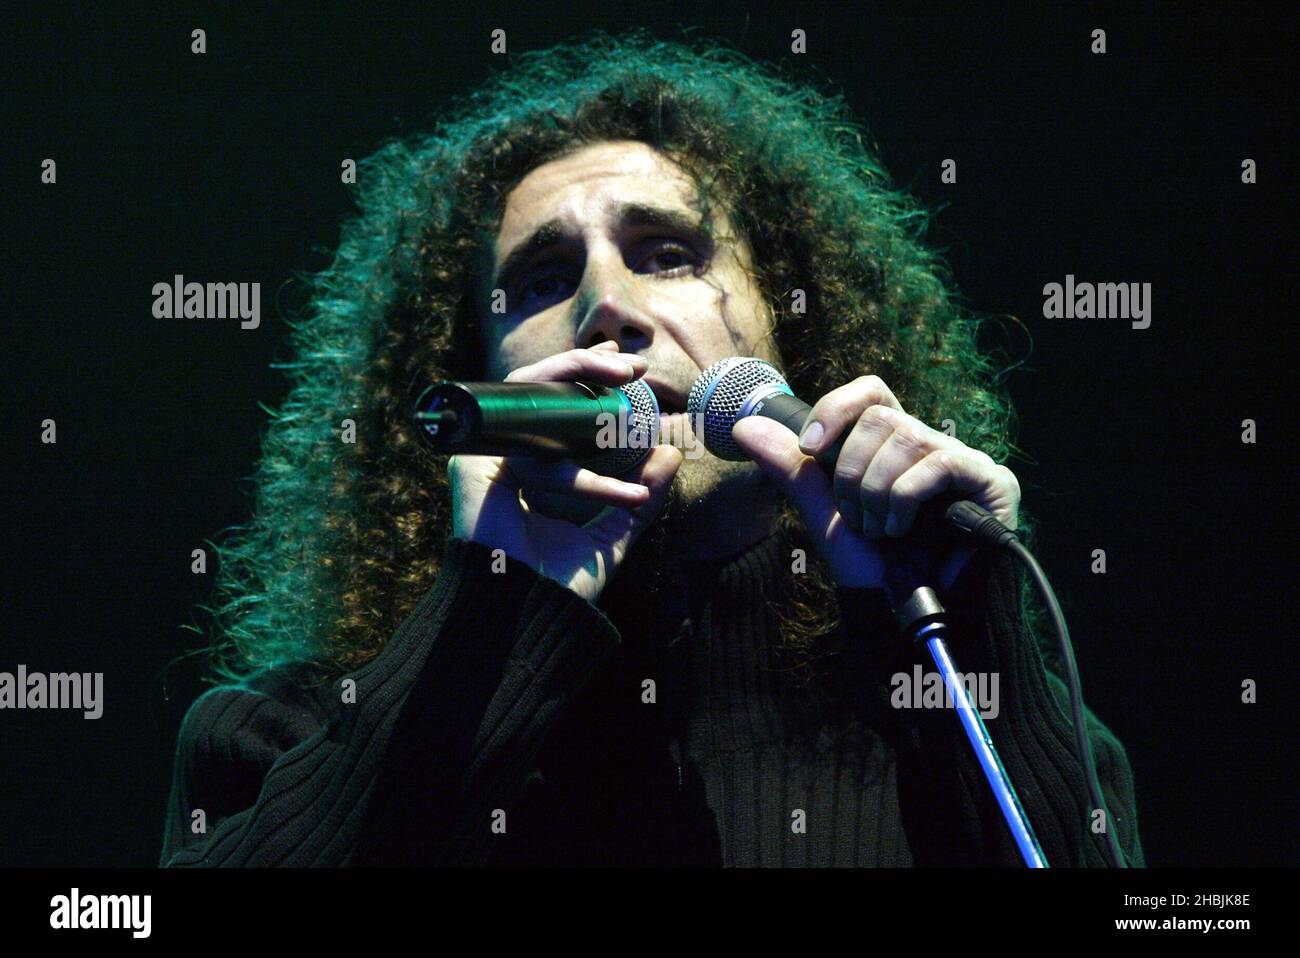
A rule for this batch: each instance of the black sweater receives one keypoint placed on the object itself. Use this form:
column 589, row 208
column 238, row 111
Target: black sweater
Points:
column 510, row 721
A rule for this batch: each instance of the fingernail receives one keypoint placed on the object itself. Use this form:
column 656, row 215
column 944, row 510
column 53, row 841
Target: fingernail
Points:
column 812, row 435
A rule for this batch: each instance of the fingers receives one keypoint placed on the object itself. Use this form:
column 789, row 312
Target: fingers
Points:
column 620, row 527
column 602, row 364
column 968, row 471
column 557, row 480
column 568, row 478
column 871, row 432
column 883, row 445
column 840, row 408
column 655, row 472
column 889, row 465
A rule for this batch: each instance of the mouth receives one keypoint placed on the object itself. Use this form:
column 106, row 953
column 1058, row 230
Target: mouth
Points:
column 670, row 400
column 675, row 429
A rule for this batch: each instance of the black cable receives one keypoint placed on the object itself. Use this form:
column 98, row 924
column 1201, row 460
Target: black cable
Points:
column 1017, row 548
column 986, row 530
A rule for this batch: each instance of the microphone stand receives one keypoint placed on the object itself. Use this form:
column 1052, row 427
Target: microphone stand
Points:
column 740, row 386
column 921, row 618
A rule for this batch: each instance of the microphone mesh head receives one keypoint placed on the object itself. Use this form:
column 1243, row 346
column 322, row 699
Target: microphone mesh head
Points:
column 642, row 433
column 720, row 393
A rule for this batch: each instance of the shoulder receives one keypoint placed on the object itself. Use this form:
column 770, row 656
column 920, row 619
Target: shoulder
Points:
column 257, row 719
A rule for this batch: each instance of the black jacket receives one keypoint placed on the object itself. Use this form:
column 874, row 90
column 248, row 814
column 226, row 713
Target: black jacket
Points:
column 509, row 721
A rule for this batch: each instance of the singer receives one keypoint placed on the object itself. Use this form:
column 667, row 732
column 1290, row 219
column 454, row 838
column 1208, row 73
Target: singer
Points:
column 470, row 659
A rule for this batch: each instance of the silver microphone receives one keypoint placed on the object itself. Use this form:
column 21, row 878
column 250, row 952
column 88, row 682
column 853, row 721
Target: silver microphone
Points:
column 741, row 386
column 734, row 388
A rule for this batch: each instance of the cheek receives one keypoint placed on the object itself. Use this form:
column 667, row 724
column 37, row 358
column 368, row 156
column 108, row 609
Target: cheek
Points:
column 530, row 341
column 722, row 319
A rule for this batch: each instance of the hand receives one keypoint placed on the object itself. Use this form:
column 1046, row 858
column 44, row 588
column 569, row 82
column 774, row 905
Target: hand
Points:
column 485, row 490
column 890, row 464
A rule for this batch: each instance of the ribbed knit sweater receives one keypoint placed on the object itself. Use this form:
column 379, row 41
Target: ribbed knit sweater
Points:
column 509, row 721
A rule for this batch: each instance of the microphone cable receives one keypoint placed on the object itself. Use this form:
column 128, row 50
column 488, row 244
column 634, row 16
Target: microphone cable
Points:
column 980, row 525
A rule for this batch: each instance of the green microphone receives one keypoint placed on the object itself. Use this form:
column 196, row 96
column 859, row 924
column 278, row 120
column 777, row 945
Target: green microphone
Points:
column 606, row 429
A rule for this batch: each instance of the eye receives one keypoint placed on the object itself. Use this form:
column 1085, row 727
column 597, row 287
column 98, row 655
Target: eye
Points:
column 545, row 283
column 666, row 257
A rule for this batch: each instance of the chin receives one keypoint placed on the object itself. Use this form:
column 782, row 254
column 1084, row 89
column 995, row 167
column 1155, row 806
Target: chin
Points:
column 715, row 483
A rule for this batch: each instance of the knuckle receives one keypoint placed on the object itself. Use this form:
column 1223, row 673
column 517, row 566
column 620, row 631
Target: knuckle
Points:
column 905, row 491
column 876, row 415
column 944, row 461
column 873, row 385
column 912, row 438
column 831, row 407
column 872, row 493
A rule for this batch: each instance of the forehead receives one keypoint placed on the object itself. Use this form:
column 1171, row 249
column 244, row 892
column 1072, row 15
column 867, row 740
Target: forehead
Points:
column 583, row 186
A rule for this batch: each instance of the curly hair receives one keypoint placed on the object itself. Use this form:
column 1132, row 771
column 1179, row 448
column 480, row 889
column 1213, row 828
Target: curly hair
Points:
column 346, row 537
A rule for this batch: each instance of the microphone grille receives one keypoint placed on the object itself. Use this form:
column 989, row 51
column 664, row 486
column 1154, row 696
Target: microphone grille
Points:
column 642, row 433
column 719, row 395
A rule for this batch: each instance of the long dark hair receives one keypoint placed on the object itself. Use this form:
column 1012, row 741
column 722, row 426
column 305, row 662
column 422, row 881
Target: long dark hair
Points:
column 346, row 538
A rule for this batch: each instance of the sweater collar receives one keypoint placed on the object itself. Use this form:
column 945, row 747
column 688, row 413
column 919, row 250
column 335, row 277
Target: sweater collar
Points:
column 743, row 689
column 711, row 630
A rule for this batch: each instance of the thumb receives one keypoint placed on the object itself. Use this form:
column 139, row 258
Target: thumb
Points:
column 776, row 450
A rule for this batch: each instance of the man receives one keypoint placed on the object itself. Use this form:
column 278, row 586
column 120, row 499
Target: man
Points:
column 504, row 661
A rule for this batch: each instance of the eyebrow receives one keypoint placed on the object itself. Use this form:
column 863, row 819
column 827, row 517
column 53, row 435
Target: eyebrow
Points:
column 554, row 232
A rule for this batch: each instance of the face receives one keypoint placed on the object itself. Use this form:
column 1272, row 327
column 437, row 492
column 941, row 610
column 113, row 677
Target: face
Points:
column 605, row 244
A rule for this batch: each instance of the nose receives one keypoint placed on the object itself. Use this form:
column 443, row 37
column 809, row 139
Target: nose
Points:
column 612, row 318
column 612, row 309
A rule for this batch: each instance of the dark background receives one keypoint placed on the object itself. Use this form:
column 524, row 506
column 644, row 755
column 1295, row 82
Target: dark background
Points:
column 1123, row 167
